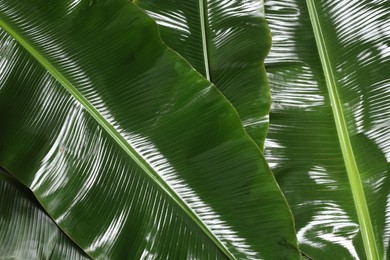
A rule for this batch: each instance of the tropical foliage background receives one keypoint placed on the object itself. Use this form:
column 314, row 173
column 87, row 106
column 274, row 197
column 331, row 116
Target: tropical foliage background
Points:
column 146, row 130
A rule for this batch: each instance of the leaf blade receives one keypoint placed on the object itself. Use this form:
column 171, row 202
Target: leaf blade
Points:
column 87, row 182
column 345, row 143
column 297, row 77
column 227, row 42
column 26, row 231
column 113, row 133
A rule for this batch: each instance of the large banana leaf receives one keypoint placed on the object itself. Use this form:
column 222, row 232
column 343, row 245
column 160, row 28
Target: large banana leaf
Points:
column 129, row 150
column 26, row 232
column 329, row 140
column 227, row 42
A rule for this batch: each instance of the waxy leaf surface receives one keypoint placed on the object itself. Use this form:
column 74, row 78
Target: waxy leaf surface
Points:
column 329, row 140
column 226, row 41
column 130, row 150
column 26, row 231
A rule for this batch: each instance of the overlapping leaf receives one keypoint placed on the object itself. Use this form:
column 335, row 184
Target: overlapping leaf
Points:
column 26, row 232
column 329, row 137
column 227, row 42
column 129, row 150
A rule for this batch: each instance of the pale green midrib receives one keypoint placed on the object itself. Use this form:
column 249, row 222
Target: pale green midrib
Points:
column 367, row 231
column 116, row 136
column 203, row 18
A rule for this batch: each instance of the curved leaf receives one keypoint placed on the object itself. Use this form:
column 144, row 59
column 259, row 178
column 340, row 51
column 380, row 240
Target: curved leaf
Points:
column 226, row 41
column 130, row 151
column 26, row 232
column 329, row 137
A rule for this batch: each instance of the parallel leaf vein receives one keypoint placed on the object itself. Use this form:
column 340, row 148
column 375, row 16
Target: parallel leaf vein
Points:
column 345, row 143
column 116, row 136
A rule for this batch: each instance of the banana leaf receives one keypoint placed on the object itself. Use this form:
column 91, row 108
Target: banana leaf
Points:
column 329, row 134
column 129, row 150
column 26, row 231
column 227, row 42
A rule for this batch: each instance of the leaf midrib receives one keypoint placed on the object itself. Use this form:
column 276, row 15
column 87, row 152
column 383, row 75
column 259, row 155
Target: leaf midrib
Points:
column 203, row 21
column 116, row 136
column 359, row 197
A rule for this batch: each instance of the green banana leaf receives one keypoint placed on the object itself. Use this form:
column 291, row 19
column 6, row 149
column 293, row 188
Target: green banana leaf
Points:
column 128, row 149
column 329, row 134
column 227, row 42
column 26, row 232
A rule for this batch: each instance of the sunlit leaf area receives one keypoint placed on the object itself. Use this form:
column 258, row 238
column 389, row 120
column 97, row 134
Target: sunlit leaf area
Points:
column 208, row 129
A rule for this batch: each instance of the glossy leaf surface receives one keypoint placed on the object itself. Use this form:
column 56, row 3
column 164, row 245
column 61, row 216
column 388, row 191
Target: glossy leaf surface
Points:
column 26, row 232
column 226, row 41
column 130, row 151
column 329, row 141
